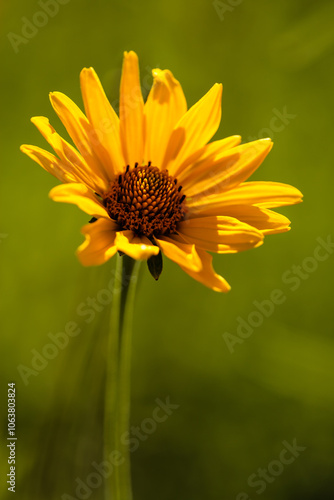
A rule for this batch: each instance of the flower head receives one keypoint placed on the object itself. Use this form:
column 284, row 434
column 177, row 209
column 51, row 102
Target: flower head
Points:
column 151, row 181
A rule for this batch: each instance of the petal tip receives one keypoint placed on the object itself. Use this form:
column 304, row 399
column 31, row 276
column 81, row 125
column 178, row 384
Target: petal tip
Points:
column 87, row 71
column 224, row 288
column 53, row 193
column 130, row 54
column 219, row 87
column 55, row 95
column 37, row 120
column 268, row 142
column 52, row 97
column 156, row 72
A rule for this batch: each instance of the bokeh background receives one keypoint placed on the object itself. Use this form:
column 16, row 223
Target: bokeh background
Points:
column 235, row 409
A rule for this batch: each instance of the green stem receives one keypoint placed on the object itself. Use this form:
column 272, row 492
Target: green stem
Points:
column 117, row 397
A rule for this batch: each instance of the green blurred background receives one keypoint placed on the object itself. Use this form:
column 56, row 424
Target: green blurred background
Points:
column 235, row 408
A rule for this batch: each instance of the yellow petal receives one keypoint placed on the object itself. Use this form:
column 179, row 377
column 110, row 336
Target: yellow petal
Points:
column 263, row 194
column 71, row 159
column 207, row 275
column 266, row 221
column 103, row 118
column 134, row 246
column 49, row 162
column 194, row 129
column 220, row 234
column 205, row 155
column 99, row 245
column 164, row 107
column 183, row 254
column 268, row 194
column 131, row 111
column 226, row 170
column 79, row 195
column 86, row 139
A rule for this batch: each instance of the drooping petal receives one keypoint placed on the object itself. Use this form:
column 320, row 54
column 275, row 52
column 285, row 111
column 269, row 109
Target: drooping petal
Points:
column 103, row 118
column 262, row 194
column 207, row 276
column 99, row 245
column 72, row 160
column 194, row 129
column 226, row 170
column 134, row 246
column 183, row 254
column 220, row 234
column 165, row 105
column 266, row 221
column 79, row 195
column 85, row 138
column 131, row 111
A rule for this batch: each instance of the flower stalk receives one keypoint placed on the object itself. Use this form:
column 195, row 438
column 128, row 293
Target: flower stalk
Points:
column 117, row 395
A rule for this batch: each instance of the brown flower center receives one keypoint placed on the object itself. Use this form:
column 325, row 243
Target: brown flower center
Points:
column 146, row 200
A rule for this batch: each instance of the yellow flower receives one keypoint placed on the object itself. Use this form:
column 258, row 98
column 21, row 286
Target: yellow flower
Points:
column 151, row 181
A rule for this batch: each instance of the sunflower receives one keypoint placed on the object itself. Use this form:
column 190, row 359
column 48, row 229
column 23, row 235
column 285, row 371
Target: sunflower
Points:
column 150, row 180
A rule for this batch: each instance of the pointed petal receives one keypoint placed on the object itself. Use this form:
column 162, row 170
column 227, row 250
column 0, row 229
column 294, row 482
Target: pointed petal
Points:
column 99, row 245
column 49, row 162
column 134, row 246
column 165, row 105
column 263, row 194
column 268, row 194
column 220, row 234
column 266, row 221
column 131, row 111
column 79, row 195
column 207, row 275
column 183, row 254
column 103, row 118
column 84, row 136
column 194, row 129
column 72, row 160
column 227, row 170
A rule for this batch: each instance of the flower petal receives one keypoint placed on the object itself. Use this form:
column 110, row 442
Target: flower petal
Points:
column 207, row 275
column 99, row 245
column 103, row 118
column 183, row 254
column 226, row 170
column 262, row 194
column 194, row 129
column 266, row 221
column 220, row 234
column 136, row 247
column 84, row 136
column 165, row 105
column 49, row 162
column 73, row 162
column 131, row 111
column 79, row 195
column 206, row 154
column 268, row 194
